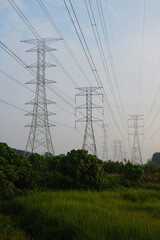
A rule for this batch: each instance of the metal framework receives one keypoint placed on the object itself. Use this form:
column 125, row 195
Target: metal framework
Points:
column 89, row 142
column 118, row 150
column 136, row 157
column 39, row 138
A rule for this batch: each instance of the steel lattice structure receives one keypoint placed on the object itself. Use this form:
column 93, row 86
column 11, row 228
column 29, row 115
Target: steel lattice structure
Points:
column 39, row 138
column 136, row 150
column 118, row 150
column 89, row 142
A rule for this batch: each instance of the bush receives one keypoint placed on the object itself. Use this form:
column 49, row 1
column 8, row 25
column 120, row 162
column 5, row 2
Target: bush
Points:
column 16, row 173
column 85, row 169
column 7, row 188
column 37, row 161
column 8, row 231
column 7, row 152
column 111, row 167
column 56, row 180
column 132, row 172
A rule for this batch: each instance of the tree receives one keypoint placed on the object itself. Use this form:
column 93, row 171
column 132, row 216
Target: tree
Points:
column 85, row 169
column 16, row 171
column 37, row 161
column 156, row 158
column 133, row 172
column 113, row 167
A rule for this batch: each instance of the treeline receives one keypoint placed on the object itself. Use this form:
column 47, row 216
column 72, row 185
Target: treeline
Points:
column 76, row 170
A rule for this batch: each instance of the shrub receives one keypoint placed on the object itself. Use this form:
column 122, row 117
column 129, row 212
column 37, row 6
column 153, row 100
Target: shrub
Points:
column 7, row 188
column 8, row 231
column 113, row 167
column 132, row 172
column 85, row 169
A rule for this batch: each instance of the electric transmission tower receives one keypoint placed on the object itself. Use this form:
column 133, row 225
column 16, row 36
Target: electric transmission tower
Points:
column 105, row 144
column 39, row 135
column 118, row 150
column 136, row 150
column 89, row 142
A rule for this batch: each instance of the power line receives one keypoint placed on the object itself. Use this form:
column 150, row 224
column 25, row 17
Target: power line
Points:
column 154, row 134
column 107, row 43
column 23, row 110
column 23, row 64
column 61, row 36
column 90, row 60
column 32, row 29
column 153, row 104
column 38, row 36
column 155, row 96
column 22, row 16
column 21, row 84
column 86, row 52
column 12, row 105
column 142, row 50
column 102, row 55
column 15, row 80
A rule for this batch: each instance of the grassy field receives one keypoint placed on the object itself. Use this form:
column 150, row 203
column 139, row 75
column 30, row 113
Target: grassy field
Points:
column 76, row 215
column 8, row 231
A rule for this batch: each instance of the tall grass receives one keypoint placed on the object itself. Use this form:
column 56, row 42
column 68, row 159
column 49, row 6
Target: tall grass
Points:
column 75, row 215
column 8, row 231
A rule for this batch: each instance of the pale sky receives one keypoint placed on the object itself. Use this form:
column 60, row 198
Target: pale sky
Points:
column 133, row 29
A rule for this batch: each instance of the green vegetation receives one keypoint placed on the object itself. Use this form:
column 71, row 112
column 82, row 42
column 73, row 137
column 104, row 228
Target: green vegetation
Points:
column 78, row 215
column 77, row 170
column 156, row 158
column 100, row 200
column 8, row 231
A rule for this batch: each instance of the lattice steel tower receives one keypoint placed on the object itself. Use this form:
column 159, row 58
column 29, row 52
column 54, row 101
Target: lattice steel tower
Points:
column 136, row 150
column 39, row 135
column 89, row 142
column 118, row 150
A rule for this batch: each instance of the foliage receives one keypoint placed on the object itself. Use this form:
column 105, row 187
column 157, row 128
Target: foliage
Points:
column 7, row 188
column 37, row 161
column 151, row 168
column 55, row 180
column 16, row 173
column 8, row 231
column 7, row 152
column 156, row 158
column 21, row 152
column 76, row 170
column 53, row 163
column 85, row 169
column 113, row 167
column 132, row 172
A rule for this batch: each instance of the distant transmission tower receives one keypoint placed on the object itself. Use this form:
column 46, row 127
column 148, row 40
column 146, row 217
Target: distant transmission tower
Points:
column 89, row 142
column 39, row 135
column 118, row 150
column 105, row 144
column 136, row 150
